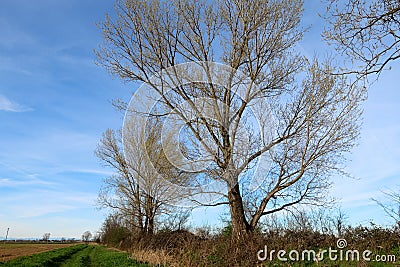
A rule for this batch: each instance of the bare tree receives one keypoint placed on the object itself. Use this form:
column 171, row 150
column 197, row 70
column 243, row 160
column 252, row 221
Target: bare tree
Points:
column 175, row 222
column 86, row 236
column 316, row 114
column 115, row 229
column 136, row 191
column 46, row 237
column 367, row 32
column 8, row 229
column 391, row 206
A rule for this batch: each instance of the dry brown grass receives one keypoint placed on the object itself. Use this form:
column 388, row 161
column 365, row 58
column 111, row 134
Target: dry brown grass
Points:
column 153, row 257
column 182, row 248
column 9, row 251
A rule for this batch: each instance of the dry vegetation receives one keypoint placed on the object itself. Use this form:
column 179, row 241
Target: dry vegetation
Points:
column 182, row 248
column 216, row 247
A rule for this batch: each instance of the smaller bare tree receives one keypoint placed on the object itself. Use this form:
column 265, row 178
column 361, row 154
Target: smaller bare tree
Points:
column 176, row 221
column 46, row 237
column 137, row 190
column 392, row 207
column 86, row 236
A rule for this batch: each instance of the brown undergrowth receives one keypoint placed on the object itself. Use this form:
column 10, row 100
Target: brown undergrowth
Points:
column 183, row 248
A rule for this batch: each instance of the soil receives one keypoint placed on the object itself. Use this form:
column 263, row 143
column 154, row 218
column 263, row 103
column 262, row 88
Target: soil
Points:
column 11, row 251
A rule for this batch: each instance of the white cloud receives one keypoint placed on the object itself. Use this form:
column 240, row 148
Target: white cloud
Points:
column 8, row 105
column 33, row 203
column 13, row 183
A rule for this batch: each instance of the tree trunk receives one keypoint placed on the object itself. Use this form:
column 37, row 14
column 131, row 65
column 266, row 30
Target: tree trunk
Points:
column 150, row 228
column 240, row 226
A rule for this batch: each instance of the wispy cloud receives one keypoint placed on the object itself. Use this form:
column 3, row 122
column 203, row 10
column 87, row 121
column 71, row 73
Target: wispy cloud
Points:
column 8, row 105
column 19, row 183
column 50, row 202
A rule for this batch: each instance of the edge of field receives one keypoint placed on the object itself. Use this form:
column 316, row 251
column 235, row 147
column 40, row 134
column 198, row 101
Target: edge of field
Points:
column 10, row 251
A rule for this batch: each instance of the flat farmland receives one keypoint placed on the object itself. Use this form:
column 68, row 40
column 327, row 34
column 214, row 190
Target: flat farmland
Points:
column 11, row 251
column 76, row 255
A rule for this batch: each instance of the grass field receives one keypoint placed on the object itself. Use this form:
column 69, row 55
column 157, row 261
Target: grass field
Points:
column 81, row 255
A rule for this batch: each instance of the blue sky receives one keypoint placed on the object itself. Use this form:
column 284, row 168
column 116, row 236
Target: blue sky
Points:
column 55, row 104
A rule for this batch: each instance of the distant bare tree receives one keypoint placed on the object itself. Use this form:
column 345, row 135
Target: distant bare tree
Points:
column 46, row 237
column 8, row 229
column 367, row 32
column 328, row 221
column 86, row 236
column 175, row 222
column 338, row 221
column 316, row 115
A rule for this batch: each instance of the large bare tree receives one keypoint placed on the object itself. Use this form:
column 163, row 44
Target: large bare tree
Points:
column 264, row 99
column 366, row 32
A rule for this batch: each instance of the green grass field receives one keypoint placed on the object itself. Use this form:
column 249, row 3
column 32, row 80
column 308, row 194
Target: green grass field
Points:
column 76, row 256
